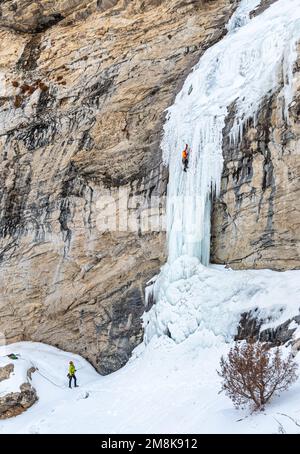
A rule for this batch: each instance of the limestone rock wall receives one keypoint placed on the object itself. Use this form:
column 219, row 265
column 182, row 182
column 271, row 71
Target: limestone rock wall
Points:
column 83, row 90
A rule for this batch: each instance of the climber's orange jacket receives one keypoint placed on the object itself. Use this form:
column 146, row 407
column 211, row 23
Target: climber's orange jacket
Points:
column 184, row 154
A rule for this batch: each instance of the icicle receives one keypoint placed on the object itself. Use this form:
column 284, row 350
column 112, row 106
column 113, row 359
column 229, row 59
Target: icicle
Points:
column 289, row 58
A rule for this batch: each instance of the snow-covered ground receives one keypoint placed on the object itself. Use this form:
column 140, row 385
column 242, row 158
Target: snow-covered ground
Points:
column 168, row 386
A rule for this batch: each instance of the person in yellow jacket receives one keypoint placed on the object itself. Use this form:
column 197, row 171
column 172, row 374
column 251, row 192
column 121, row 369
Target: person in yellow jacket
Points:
column 71, row 375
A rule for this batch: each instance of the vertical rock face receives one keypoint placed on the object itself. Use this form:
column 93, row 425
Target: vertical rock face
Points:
column 83, row 90
column 256, row 221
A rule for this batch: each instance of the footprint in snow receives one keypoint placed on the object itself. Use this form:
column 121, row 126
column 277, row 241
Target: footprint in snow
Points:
column 34, row 430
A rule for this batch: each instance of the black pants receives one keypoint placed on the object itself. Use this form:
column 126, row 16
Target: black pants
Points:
column 185, row 164
column 70, row 381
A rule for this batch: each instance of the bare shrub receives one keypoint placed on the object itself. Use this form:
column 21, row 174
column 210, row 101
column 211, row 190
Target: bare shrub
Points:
column 253, row 373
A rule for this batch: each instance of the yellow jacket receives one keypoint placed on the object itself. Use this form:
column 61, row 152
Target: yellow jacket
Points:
column 72, row 369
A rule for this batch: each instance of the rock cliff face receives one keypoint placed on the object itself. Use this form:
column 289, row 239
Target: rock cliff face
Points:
column 256, row 221
column 83, row 89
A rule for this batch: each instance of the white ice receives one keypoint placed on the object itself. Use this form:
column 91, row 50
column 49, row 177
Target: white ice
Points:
column 191, row 297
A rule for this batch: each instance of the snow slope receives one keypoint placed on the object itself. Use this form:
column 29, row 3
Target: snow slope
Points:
column 165, row 388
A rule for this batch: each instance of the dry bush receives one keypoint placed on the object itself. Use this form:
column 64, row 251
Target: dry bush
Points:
column 252, row 374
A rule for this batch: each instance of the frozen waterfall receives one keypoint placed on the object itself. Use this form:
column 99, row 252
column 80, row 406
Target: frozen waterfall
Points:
column 250, row 63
